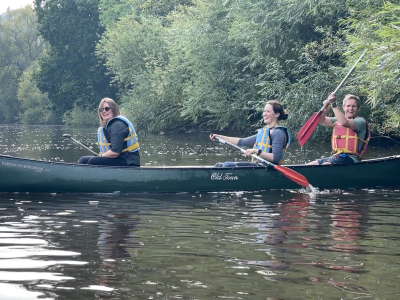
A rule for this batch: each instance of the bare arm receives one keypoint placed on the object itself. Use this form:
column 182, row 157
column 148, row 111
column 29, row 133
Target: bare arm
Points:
column 324, row 120
column 279, row 141
column 348, row 123
column 232, row 140
column 263, row 154
column 110, row 154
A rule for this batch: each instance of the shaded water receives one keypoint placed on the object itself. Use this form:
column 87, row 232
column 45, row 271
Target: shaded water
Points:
column 263, row 245
column 47, row 143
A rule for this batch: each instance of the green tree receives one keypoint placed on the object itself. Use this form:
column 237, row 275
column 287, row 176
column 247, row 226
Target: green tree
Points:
column 70, row 73
column 20, row 46
column 377, row 29
column 215, row 63
column 36, row 107
column 111, row 11
column 136, row 52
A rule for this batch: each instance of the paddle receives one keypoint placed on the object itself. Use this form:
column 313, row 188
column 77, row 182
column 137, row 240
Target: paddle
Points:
column 68, row 136
column 308, row 128
column 289, row 173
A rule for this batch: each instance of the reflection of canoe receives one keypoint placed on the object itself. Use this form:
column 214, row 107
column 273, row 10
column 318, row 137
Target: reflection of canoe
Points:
column 28, row 175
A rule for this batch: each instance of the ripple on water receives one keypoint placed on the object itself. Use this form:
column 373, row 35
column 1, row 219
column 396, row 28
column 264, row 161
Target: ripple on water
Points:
column 9, row 291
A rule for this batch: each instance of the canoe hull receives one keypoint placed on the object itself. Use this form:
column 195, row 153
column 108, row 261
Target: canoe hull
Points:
column 28, row 175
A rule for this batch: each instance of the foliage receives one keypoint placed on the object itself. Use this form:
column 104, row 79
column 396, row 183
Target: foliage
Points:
column 186, row 64
column 377, row 29
column 70, row 72
column 137, row 52
column 222, row 60
column 81, row 116
column 20, row 46
column 111, row 11
column 290, row 47
column 36, row 107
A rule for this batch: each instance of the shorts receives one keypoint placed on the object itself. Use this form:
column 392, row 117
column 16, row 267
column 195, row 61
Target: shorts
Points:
column 343, row 159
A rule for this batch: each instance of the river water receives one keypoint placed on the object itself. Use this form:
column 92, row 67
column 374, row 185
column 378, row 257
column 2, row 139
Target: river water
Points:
column 254, row 245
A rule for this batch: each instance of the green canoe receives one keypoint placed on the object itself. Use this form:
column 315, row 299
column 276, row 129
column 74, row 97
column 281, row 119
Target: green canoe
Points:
column 29, row 175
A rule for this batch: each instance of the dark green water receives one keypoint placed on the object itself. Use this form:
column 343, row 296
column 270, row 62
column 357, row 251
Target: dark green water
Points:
column 269, row 245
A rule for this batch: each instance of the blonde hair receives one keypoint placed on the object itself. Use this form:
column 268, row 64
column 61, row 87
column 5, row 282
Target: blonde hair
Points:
column 114, row 109
column 350, row 96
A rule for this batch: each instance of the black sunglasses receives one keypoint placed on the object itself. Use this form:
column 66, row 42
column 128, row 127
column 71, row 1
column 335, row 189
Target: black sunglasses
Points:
column 107, row 108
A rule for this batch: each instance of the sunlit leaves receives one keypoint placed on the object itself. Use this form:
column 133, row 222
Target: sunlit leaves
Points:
column 20, row 46
column 377, row 29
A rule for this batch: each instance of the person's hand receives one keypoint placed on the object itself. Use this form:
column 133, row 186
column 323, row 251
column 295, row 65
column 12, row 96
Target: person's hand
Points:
column 331, row 98
column 212, row 137
column 326, row 103
column 250, row 152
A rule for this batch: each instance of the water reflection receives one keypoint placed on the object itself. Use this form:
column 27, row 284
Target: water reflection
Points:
column 300, row 234
column 346, row 226
column 17, row 292
column 117, row 244
column 28, row 253
column 277, row 244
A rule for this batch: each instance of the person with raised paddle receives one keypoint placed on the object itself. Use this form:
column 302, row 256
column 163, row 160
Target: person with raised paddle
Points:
column 350, row 134
column 270, row 143
column 117, row 138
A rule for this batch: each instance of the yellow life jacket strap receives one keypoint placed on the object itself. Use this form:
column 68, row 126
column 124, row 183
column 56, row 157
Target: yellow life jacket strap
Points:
column 131, row 147
column 130, row 137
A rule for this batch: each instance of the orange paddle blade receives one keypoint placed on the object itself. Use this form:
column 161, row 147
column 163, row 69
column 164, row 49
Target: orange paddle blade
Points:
column 308, row 128
column 292, row 175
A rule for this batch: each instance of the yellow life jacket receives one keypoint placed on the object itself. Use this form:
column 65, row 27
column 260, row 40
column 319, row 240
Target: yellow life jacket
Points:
column 264, row 141
column 346, row 140
column 132, row 144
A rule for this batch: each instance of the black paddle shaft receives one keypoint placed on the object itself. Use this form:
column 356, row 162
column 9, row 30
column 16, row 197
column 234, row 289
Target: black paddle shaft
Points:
column 68, row 136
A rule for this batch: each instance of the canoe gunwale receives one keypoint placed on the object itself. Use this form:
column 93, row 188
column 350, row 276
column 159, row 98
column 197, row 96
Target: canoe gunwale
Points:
column 294, row 166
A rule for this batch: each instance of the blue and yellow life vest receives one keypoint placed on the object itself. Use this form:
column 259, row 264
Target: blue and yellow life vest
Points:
column 264, row 141
column 132, row 144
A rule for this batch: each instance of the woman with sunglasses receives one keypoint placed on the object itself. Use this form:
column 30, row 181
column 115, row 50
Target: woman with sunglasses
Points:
column 117, row 138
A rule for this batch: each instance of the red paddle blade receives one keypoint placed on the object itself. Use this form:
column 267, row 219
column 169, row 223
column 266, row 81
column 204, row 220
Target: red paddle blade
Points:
column 308, row 128
column 292, row 175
